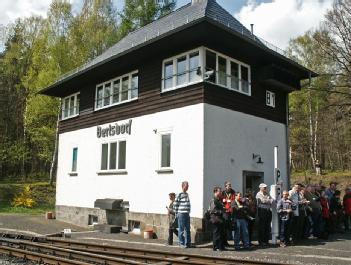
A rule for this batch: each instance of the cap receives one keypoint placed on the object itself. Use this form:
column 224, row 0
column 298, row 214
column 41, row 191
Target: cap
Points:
column 262, row 185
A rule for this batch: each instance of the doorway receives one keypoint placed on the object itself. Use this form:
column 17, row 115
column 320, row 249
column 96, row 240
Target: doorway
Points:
column 251, row 180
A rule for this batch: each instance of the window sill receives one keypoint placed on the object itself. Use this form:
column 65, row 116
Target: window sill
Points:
column 112, row 172
column 230, row 89
column 116, row 104
column 181, row 86
column 70, row 117
column 73, row 174
column 164, row 171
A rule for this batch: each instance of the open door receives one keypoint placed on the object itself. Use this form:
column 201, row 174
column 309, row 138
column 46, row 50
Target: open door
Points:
column 251, row 180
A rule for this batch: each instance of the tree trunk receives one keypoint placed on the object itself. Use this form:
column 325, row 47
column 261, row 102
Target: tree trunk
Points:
column 54, row 156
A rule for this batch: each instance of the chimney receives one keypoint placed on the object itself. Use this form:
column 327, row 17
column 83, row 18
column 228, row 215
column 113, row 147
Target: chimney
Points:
column 199, row 1
column 251, row 28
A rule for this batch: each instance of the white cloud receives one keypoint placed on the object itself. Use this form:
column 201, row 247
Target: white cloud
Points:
column 279, row 21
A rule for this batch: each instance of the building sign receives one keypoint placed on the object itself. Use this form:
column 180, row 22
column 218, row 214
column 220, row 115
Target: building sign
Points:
column 114, row 129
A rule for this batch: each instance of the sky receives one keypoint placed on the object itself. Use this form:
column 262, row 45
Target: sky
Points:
column 276, row 21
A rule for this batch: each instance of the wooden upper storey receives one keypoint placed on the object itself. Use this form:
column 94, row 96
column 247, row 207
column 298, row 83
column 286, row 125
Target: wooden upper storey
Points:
column 267, row 72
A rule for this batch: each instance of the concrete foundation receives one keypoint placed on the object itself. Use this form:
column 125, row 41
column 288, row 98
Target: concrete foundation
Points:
column 157, row 222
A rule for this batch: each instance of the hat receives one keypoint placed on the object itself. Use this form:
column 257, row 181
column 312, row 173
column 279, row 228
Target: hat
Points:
column 262, row 185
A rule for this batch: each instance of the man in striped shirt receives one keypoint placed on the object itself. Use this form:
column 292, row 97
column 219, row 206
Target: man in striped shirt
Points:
column 182, row 209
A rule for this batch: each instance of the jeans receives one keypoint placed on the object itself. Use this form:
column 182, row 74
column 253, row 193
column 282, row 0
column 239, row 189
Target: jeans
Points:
column 171, row 231
column 284, row 231
column 184, row 229
column 317, row 219
column 241, row 232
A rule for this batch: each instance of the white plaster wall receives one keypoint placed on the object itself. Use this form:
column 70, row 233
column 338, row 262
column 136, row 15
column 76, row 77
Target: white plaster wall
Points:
column 146, row 190
column 230, row 140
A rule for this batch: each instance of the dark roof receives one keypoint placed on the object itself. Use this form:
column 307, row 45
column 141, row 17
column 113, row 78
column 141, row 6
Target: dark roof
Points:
column 180, row 18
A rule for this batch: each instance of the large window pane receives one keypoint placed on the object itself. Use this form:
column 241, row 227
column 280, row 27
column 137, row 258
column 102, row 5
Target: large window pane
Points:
column 99, row 95
column 222, row 71
column 116, row 91
column 168, row 72
column 74, row 159
column 135, row 84
column 234, row 72
column 71, row 106
column 104, row 156
column 122, row 150
column 125, row 84
column 194, row 64
column 211, row 66
column 113, row 155
column 107, row 94
column 166, row 150
column 66, row 108
column 77, row 104
column 181, row 71
column 244, row 79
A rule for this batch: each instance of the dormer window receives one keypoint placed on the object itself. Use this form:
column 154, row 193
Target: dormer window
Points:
column 70, row 106
column 181, row 70
column 118, row 90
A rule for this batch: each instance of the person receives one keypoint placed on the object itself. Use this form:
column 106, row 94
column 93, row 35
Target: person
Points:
column 336, row 212
column 346, row 202
column 317, row 166
column 240, row 215
column 216, row 210
column 228, row 197
column 182, row 210
column 284, row 211
column 331, row 190
column 298, row 213
column 264, row 213
column 312, row 195
column 172, row 221
column 325, row 224
column 252, row 210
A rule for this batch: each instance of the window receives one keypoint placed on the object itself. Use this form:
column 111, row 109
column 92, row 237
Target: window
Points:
column 181, row 70
column 70, row 106
column 270, row 99
column 166, row 150
column 113, row 155
column 74, row 159
column 227, row 72
column 118, row 90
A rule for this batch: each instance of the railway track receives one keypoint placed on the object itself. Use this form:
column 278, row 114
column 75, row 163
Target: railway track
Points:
column 60, row 251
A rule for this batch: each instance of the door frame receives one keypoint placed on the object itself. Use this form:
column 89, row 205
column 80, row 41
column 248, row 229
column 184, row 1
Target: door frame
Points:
column 247, row 173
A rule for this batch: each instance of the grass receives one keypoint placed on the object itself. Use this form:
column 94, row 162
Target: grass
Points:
column 343, row 178
column 8, row 209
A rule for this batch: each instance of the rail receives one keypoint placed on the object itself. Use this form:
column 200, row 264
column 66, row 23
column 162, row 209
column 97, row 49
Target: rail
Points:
column 88, row 253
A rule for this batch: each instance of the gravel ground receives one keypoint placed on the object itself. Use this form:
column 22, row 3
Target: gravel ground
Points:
column 6, row 260
column 335, row 251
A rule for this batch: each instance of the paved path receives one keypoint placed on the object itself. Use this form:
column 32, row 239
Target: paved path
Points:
column 335, row 251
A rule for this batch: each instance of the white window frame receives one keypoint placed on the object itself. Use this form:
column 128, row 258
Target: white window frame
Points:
column 272, row 98
column 103, row 84
column 174, row 78
column 109, row 171
column 228, row 60
column 159, row 168
column 76, row 108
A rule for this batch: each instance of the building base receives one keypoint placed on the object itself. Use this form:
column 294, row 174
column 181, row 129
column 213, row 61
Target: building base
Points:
column 85, row 217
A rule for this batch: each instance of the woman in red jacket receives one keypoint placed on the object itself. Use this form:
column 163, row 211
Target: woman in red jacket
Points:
column 347, row 208
column 325, row 215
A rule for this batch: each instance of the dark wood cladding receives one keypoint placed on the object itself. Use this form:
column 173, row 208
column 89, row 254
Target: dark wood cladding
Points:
column 254, row 105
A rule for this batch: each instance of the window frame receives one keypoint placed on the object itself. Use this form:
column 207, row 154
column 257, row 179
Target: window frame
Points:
column 271, row 96
column 159, row 167
column 174, row 60
column 228, row 72
column 117, row 170
column 111, row 82
column 76, row 107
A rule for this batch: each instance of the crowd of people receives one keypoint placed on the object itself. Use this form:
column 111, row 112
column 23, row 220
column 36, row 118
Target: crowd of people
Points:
column 303, row 211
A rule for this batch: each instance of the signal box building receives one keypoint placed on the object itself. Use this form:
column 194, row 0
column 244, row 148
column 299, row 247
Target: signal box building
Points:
column 192, row 96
